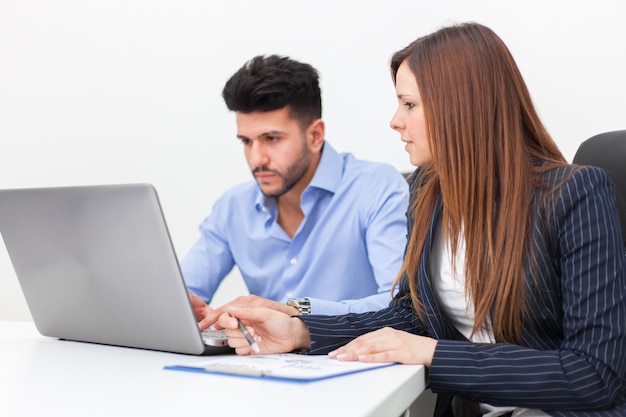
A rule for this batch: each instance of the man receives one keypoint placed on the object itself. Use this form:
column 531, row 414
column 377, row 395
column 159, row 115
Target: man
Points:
column 319, row 231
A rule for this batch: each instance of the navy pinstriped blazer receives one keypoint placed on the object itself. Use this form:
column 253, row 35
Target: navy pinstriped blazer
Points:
column 573, row 362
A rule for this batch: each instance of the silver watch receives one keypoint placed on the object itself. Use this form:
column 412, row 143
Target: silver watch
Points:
column 302, row 304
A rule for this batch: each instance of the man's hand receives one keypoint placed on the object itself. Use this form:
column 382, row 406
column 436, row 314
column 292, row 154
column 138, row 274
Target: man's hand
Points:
column 204, row 313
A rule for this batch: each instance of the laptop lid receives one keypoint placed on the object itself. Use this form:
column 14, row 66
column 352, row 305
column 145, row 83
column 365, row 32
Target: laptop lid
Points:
column 96, row 264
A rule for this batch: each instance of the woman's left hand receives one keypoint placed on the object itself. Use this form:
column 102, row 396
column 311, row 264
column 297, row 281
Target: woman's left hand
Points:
column 388, row 345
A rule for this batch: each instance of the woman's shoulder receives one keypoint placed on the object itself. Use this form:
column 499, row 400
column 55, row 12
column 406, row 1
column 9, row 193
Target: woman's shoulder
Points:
column 569, row 175
column 568, row 186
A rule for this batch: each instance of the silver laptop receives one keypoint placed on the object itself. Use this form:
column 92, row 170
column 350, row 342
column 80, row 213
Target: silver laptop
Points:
column 96, row 264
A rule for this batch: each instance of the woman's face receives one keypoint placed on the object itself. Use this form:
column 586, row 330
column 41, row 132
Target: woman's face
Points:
column 408, row 119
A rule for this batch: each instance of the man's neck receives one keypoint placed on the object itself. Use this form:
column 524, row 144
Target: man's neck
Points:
column 290, row 214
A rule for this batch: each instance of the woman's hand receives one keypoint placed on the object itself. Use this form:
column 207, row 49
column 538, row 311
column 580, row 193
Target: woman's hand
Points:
column 207, row 316
column 388, row 345
column 274, row 331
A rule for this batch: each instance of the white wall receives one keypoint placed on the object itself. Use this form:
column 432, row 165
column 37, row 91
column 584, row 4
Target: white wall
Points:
column 108, row 91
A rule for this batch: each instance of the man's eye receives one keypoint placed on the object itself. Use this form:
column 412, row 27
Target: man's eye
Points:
column 271, row 138
column 244, row 141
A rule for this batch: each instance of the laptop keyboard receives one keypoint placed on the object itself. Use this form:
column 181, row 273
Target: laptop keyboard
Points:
column 212, row 334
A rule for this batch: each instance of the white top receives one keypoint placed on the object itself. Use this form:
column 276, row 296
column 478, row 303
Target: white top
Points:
column 449, row 288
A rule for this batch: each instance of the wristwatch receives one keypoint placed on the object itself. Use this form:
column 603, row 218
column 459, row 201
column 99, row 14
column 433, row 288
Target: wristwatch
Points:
column 302, row 304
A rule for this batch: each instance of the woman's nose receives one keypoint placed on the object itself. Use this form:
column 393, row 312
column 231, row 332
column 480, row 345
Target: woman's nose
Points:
column 395, row 123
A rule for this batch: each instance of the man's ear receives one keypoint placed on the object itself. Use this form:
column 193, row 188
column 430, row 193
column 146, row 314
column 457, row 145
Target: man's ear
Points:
column 315, row 135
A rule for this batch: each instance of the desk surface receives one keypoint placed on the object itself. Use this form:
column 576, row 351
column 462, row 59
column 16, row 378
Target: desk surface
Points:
column 44, row 376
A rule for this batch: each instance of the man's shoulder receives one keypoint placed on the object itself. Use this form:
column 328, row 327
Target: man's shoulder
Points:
column 371, row 180
column 368, row 169
column 342, row 172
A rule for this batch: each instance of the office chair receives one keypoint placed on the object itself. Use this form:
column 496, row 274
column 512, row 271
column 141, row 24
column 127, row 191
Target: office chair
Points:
column 406, row 174
column 608, row 151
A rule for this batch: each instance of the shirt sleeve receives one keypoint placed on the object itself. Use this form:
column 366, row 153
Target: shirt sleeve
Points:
column 385, row 202
column 209, row 260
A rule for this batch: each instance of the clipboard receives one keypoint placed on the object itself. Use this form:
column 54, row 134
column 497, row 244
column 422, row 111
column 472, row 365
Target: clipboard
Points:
column 286, row 367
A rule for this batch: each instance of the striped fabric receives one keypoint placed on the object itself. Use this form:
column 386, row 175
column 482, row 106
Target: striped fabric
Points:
column 573, row 362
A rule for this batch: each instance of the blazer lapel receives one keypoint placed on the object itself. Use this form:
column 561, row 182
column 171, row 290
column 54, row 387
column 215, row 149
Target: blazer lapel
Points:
column 436, row 322
column 435, row 319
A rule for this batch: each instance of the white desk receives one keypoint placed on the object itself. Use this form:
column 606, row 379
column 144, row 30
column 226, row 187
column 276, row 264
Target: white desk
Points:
column 40, row 376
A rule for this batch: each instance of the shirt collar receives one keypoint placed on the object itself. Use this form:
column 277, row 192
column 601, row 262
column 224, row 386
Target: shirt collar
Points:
column 328, row 173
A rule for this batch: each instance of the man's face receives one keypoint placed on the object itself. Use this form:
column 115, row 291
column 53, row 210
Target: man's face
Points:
column 276, row 149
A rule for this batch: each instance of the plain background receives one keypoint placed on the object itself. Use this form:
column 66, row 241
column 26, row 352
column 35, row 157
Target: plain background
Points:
column 119, row 91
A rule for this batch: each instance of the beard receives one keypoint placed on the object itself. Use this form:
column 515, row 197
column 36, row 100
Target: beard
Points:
column 290, row 177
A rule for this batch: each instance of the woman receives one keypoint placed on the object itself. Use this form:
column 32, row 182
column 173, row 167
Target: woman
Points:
column 513, row 286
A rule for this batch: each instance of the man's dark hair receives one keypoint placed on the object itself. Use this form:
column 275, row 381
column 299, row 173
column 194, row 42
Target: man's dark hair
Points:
column 267, row 83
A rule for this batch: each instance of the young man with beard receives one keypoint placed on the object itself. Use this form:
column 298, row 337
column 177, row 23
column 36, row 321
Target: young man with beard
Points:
column 317, row 231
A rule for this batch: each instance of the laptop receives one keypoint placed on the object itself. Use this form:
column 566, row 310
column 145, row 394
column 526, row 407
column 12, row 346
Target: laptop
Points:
column 96, row 264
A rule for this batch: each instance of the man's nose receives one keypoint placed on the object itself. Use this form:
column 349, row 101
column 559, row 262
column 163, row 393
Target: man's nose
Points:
column 257, row 155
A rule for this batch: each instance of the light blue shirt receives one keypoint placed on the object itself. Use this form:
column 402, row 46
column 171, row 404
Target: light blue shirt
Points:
column 344, row 257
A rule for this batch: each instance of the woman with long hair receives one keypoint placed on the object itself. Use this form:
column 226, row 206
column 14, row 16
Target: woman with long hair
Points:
column 513, row 288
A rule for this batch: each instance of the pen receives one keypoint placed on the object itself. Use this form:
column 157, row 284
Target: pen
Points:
column 247, row 335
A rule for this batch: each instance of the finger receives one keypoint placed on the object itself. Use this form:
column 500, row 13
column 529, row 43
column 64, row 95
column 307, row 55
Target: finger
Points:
column 228, row 321
column 369, row 343
column 347, row 356
column 239, row 343
column 220, row 309
column 342, row 351
column 351, row 346
column 384, row 356
column 244, row 350
column 257, row 314
column 210, row 316
column 205, row 323
column 345, row 353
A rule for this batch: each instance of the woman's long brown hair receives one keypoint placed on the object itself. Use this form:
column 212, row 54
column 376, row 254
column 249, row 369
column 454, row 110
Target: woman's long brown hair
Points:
column 485, row 138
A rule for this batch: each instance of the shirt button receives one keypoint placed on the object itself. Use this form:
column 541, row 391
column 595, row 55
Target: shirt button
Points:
column 293, row 261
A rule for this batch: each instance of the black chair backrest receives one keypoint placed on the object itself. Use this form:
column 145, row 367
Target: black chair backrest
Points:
column 608, row 151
